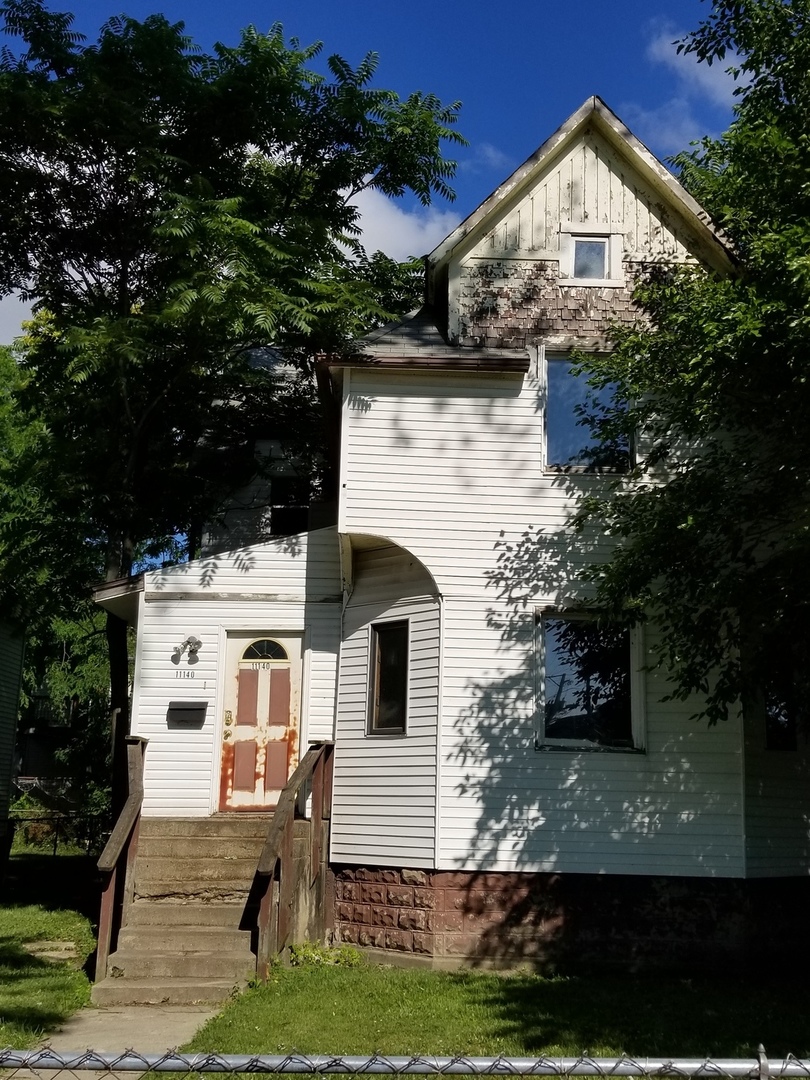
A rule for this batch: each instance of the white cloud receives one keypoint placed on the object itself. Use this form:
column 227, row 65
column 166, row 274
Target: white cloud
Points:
column 702, row 100
column 401, row 233
column 667, row 129
column 483, row 157
column 12, row 313
column 711, row 83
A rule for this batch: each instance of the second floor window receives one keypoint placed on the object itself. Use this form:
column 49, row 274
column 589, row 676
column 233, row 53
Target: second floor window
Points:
column 578, row 434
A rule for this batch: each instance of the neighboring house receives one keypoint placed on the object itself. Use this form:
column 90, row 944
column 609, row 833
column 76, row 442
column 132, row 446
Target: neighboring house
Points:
column 508, row 779
column 11, row 662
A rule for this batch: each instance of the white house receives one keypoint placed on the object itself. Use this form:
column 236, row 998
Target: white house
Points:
column 506, row 774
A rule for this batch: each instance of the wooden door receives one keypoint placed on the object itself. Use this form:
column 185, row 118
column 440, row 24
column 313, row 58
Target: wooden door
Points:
column 260, row 729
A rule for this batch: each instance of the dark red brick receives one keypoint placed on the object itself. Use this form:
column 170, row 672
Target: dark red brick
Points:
column 371, row 937
column 414, row 877
column 401, row 896
column 412, row 919
column 372, row 893
column 384, row 916
column 400, row 940
column 425, row 898
column 362, row 913
column 424, row 943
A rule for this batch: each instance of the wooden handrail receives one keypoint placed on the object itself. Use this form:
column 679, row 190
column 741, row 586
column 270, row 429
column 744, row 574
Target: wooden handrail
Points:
column 108, row 860
column 120, row 848
column 278, row 851
column 285, row 808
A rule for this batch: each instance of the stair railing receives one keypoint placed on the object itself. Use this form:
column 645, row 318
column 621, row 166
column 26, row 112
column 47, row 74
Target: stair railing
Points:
column 117, row 860
column 275, row 872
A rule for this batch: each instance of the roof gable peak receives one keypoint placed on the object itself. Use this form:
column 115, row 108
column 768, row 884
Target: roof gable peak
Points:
column 593, row 115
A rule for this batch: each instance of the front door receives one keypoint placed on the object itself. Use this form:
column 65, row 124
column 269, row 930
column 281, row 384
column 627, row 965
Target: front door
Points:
column 260, row 729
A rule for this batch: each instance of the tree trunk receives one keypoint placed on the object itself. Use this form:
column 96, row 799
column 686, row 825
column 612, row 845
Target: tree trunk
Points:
column 116, row 631
column 332, row 417
column 119, row 565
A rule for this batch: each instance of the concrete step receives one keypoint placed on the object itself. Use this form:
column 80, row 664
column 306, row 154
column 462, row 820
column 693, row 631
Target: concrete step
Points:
column 234, row 825
column 203, row 871
column 128, row 964
column 180, row 890
column 168, row 914
column 200, row 847
column 159, row 991
column 183, row 939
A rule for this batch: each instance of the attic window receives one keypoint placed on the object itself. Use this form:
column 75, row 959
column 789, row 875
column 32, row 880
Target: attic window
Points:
column 590, row 255
column 590, row 258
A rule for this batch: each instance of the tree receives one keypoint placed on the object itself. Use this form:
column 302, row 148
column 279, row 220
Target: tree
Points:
column 170, row 213
column 713, row 529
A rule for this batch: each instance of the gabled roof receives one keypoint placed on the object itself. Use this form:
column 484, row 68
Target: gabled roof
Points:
column 595, row 114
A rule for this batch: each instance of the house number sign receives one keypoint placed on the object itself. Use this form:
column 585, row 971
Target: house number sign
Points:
column 184, row 674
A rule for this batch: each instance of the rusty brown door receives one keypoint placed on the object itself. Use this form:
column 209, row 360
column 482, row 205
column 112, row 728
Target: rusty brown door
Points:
column 260, row 728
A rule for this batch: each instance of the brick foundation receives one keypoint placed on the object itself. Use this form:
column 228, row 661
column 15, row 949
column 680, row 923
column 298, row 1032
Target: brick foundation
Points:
column 564, row 920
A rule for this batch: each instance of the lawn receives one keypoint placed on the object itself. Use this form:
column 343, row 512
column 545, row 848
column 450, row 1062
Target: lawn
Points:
column 396, row 1011
column 37, row 994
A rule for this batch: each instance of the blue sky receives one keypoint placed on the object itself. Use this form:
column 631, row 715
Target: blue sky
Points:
column 519, row 70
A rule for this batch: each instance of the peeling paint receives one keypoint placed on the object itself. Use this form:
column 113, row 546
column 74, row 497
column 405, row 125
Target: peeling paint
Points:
column 269, row 727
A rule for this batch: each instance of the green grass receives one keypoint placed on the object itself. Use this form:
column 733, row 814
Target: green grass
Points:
column 396, row 1011
column 21, row 846
column 36, row 994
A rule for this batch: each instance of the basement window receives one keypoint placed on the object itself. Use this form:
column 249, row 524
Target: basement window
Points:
column 388, row 678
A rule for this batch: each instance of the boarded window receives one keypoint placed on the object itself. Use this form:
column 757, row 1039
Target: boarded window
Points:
column 388, row 682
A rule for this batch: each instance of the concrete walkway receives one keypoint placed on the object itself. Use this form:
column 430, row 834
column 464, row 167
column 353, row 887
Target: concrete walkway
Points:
column 146, row 1029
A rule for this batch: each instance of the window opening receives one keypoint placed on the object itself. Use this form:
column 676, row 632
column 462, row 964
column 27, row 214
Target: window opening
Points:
column 388, row 683
column 590, row 259
column 577, row 429
column 586, row 683
column 266, row 649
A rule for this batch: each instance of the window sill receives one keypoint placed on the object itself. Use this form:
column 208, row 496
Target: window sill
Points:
column 541, row 747
column 593, row 283
column 583, row 470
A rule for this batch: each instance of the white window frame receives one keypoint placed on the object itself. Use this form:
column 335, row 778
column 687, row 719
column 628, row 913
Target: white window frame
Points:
column 570, row 232
column 638, row 687
column 371, row 730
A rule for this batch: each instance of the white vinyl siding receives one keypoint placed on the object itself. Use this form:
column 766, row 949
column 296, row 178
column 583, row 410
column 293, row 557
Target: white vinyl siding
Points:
column 384, row 806
column 450, row 467
column 292, row 585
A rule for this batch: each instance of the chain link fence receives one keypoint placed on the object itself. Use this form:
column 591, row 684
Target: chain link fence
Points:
column 47, row 1064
